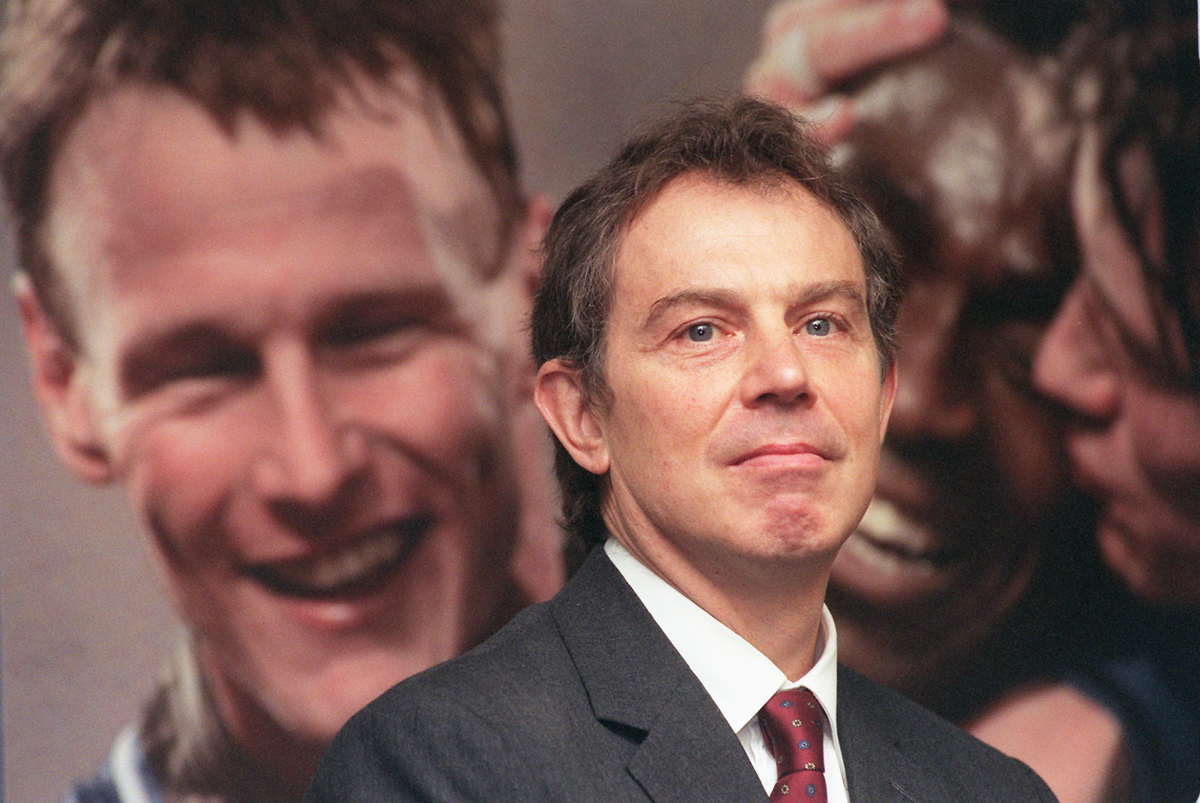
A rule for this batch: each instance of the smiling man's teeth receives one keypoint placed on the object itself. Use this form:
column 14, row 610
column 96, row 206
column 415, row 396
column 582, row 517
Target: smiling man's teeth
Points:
column 888, row 538
column 342, row 572
column 348, row 566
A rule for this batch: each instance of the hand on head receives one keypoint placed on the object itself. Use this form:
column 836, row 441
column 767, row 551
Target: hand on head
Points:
column 811, row 47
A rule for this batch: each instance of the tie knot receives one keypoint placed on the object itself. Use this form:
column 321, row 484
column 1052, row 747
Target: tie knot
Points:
column 792, row 722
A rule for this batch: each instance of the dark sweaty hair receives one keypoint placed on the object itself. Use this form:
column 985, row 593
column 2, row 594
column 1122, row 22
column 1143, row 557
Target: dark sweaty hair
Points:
column 1152, row 100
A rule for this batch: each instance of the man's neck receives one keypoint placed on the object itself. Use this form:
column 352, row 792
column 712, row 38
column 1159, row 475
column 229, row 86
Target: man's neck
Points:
column 193, row 752
column 286, row 762
column 774, row 606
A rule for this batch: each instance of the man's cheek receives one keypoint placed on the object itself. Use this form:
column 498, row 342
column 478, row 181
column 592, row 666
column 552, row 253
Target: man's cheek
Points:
column 446, row 405
column 179, row 482
column 1166, row 442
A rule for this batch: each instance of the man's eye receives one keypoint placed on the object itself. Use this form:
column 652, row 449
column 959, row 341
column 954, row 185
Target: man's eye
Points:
column 700, row 332
column 377, row 342
column 145, row 376
column 819, row 327
column 357, row 333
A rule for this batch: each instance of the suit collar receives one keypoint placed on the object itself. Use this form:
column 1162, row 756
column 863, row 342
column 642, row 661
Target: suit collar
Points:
column 638, row 684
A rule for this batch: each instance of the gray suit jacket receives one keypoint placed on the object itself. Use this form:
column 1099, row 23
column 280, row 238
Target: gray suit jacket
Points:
column 584, row 699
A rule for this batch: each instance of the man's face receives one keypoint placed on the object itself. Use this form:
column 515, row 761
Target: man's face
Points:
column 972, row 480
column 1109, row 356
column 748, row 401
column 289, row 355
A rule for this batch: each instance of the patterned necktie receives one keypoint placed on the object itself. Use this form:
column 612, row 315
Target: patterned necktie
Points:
column 791, row 726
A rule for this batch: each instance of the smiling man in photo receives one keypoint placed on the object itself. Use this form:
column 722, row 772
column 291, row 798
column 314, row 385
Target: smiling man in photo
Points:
column 274, row 269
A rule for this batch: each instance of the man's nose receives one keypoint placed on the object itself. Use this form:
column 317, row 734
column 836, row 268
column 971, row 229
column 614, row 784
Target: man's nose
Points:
column 777, row 370
column 936, row 394
column 1071, row 365
column 313, row 452
column 935, row 399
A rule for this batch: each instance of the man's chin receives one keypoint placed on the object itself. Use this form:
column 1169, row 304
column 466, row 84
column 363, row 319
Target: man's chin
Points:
column 315, row 706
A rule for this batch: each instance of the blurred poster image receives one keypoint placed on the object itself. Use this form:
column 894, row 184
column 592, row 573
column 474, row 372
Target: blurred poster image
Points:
column 272, row 443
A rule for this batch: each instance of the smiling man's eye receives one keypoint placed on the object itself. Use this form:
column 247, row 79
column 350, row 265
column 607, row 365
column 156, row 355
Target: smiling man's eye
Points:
column 357, row 333
column 196, row 353
column 700, row 332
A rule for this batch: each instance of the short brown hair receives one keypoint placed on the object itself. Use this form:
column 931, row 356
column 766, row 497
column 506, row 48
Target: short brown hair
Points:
column 742, row 142
column 283, row 61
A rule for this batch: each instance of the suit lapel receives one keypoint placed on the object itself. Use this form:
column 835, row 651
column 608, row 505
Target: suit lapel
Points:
column 638, row 684
column 877, row 767
column 691, row 758
column 884, row 773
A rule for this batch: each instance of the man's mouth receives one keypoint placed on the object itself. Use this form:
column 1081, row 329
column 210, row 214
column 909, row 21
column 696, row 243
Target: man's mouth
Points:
column 893, row 558
column 887, row 535
column 358, row 568
column 1088, row 463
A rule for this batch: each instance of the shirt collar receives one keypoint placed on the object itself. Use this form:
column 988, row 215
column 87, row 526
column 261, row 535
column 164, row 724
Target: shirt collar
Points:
column 738, row 677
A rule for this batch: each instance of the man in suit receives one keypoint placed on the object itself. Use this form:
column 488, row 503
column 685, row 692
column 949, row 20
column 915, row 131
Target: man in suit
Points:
column 714, row 332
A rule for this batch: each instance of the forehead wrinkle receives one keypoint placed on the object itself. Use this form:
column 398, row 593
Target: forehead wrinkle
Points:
column 689, row 298
column 374, row 190
column 364, row 189
column 465, row 230
column 729, row 299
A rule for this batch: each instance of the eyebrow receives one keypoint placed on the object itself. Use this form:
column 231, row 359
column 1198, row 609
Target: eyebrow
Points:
column 688, row 298
column 714, row 297
column 821, row 291
column 429, row 302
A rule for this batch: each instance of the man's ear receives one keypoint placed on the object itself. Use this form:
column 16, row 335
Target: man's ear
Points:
column 528, row 246
column 558, row 394
column 537, row 558
column 890, row 380
column 60, row 388
column 525, row 270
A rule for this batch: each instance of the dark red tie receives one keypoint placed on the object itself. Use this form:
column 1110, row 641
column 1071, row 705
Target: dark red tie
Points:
column 791, row 725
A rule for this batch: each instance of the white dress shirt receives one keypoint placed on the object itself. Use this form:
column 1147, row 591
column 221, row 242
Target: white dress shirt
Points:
column 738, row 677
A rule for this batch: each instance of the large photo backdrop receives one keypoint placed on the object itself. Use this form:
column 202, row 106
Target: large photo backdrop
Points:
column 85, row 622
column 1010, row 573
